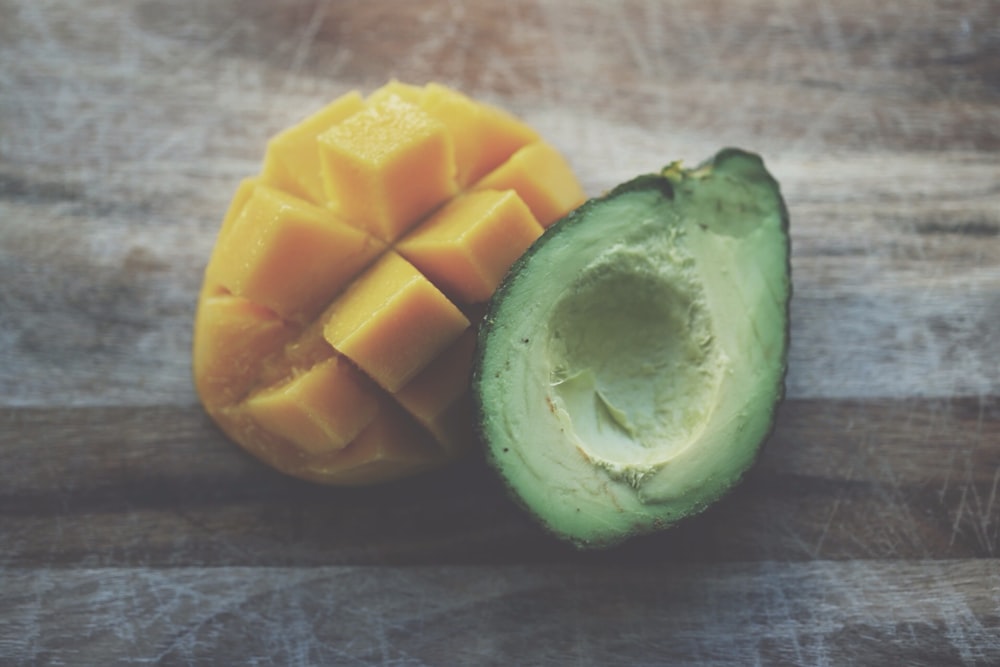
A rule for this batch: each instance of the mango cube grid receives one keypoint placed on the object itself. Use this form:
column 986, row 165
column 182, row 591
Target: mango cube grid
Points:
column 336, row 323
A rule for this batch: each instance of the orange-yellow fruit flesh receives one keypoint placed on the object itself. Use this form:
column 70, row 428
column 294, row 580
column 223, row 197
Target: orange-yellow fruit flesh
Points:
column 466, row 247
column 292, row 163
column 240, row 198
column 483, row 136
column 387, row 166
column 320, row 410
column 333, row 337
column 232, row 336
column 390, row 447
column 392, row 322
column 542, row 178
column 438, row 398
column 289, row 255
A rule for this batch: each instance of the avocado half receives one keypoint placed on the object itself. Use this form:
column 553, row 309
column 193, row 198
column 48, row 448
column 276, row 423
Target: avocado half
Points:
column 631, row 362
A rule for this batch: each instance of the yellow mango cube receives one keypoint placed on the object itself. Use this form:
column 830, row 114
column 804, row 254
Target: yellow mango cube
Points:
column 466, row 247
column 542, row 178
column 392, row 322
column 387, row 166
column 438, row 398
column 289, row 255
column 292, row 163
column 233, row 336
column 484, row 136
column 320, row 410
column 392, row 446
column 239, row 201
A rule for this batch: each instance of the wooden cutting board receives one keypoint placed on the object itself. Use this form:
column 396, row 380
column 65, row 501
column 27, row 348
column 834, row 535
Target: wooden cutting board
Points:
column 131, row 531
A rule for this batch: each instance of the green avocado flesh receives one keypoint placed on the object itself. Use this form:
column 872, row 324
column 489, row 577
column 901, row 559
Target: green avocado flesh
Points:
column 631, row 362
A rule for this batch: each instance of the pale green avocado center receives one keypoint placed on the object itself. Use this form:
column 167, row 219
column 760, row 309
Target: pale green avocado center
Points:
column 633, row 364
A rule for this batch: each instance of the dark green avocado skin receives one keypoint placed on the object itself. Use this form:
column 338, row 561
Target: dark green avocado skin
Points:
column 668, row 185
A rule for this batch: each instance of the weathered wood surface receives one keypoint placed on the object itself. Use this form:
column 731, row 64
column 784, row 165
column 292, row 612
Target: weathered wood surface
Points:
column 132, row 532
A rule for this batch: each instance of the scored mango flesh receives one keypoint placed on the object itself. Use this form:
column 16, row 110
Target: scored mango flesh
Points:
column 336, row 324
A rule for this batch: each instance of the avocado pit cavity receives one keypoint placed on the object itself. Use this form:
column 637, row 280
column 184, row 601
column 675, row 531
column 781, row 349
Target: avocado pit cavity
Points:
column 634, row 367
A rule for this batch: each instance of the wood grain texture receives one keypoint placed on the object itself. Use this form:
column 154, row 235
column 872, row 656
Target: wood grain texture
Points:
column 921, row 614
column 132, row 532
column 160, row 486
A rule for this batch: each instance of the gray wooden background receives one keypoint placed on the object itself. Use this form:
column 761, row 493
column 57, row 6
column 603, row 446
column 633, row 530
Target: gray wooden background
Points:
column 132, row 532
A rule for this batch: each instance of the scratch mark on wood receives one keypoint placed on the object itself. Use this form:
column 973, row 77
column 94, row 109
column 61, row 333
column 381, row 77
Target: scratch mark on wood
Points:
column 305, row 40
column 991, row 506
column 818, row 549
column 974, row 510
column 631, row 41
